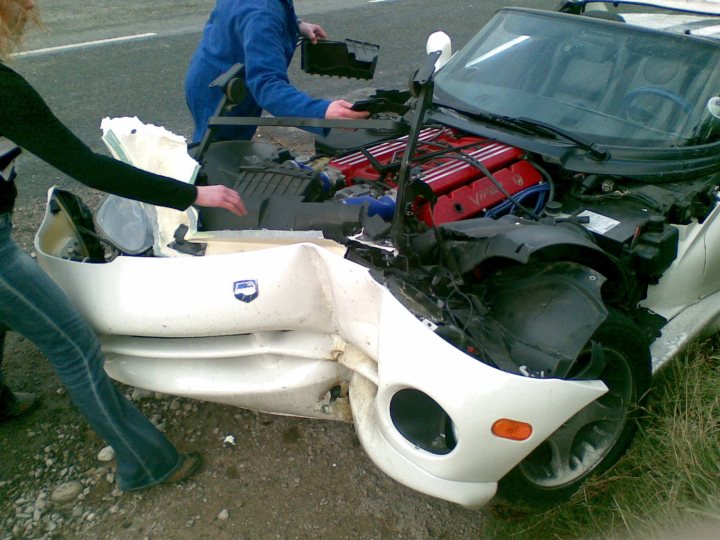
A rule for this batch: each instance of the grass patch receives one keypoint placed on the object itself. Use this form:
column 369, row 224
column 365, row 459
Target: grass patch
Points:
column 667, row 485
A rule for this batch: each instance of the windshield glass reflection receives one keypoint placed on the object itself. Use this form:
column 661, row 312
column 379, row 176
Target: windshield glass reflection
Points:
column 613, row 83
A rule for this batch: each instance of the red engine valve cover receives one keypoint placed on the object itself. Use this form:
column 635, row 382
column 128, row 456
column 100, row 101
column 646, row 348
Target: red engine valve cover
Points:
column 444, row 159
column 475, row 197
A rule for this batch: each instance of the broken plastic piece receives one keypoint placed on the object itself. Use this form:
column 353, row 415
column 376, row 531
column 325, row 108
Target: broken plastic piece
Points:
column 349, row 58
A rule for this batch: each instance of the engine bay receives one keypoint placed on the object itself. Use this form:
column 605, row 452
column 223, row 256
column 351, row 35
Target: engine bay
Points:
column 347, row 190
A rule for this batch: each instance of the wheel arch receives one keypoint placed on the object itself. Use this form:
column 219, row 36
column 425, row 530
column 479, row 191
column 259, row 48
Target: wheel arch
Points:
column 541, row 315
column 524, row 488
column 524, row 241
column 483, row 245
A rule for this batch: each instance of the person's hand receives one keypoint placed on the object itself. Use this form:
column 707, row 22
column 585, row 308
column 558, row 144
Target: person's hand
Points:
column 340, row 110
column 312, row 31
column 220, row 197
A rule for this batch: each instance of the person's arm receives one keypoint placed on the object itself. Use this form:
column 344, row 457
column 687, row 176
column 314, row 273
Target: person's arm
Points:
column 266, row 73
column 26, row 120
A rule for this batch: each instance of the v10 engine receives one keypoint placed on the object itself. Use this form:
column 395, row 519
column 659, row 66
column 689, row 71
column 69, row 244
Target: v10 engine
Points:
column 454, row 166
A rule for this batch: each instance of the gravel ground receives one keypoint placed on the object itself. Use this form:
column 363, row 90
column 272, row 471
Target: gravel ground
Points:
column 283, row 477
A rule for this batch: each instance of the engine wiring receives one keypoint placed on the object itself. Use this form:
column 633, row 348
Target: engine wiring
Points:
column 539, row 190
column 458, row 153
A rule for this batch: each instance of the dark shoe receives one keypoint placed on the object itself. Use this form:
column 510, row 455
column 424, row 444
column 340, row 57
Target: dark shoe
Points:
column 23, row 403
column 192, row 463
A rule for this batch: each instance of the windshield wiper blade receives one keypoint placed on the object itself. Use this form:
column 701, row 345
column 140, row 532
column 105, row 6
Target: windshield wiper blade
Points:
column 487, row 117
column 531, row 127
column 592, row 150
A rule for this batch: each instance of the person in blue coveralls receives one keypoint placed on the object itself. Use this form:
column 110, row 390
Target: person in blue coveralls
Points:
column 262, row 35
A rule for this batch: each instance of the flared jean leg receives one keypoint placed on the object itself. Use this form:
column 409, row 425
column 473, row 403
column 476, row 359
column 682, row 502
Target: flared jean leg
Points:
column 7, row 398
column 34, row 306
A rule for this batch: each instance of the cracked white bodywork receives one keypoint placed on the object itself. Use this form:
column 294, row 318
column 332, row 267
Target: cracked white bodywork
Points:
column 319, row 322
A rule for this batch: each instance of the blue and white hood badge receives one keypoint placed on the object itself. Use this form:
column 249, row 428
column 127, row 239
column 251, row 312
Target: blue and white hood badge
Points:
column 246, row 290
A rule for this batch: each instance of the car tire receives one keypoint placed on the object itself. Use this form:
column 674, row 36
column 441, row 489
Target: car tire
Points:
column 595, row 438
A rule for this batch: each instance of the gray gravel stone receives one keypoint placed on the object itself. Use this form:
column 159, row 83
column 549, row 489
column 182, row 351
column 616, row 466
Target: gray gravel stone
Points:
column 140, row 393
column 106, row 454
column 67, row 492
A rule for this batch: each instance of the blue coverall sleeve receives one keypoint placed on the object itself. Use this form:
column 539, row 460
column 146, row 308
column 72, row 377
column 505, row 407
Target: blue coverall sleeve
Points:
column 266, row 68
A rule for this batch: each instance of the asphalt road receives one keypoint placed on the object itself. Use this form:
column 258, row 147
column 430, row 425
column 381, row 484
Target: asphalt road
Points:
column 84, row 81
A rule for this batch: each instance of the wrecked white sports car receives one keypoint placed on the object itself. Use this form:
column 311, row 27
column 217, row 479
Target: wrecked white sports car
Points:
column 481, row 277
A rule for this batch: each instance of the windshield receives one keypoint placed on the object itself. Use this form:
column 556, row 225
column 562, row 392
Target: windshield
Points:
column 610, row 83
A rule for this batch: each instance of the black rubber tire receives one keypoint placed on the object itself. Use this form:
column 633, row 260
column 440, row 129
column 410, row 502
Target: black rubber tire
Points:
column 627, row 374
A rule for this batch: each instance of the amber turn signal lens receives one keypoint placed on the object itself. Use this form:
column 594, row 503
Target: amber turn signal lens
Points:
column 511, row 429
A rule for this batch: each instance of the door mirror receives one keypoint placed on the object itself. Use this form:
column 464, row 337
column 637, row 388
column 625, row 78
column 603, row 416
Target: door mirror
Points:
column 439, row 41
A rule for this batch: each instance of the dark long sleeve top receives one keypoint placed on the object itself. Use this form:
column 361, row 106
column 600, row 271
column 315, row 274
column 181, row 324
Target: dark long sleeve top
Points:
column 27, row 121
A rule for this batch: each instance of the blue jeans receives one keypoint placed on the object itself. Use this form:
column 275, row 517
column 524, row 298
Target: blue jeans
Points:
column 34, row 306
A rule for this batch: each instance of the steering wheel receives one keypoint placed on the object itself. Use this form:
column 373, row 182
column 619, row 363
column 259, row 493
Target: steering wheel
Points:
column 636, row 112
